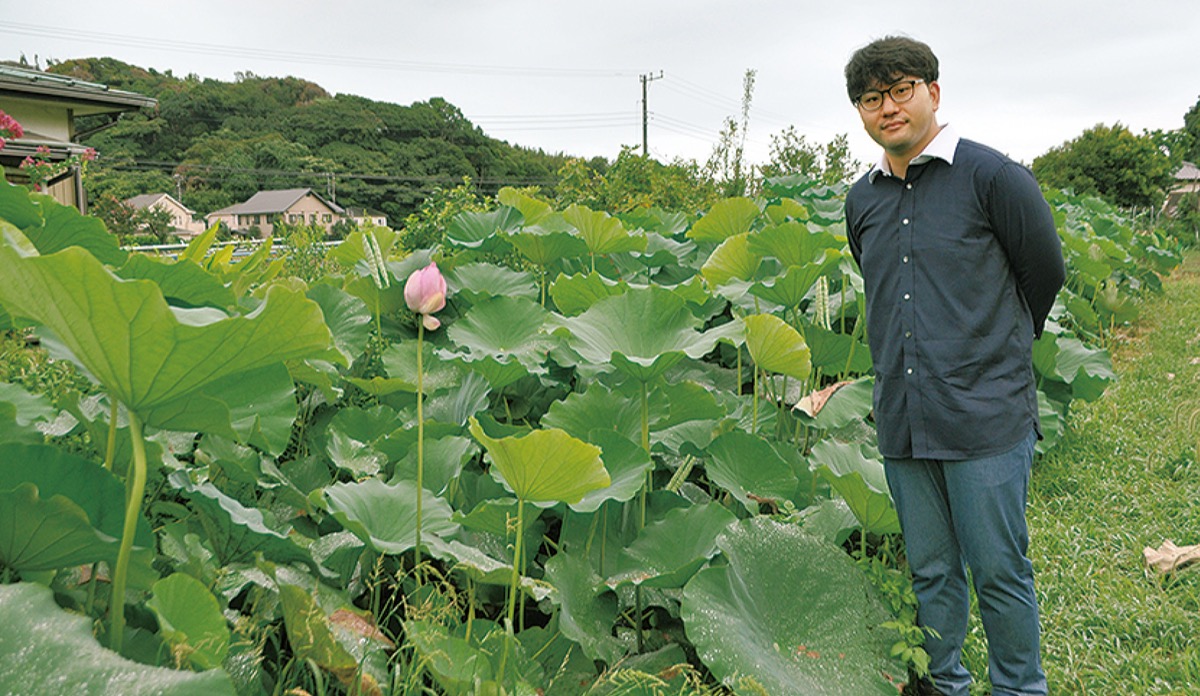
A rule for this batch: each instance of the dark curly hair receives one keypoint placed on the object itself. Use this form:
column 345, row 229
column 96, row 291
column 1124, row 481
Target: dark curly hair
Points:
column 884, row 60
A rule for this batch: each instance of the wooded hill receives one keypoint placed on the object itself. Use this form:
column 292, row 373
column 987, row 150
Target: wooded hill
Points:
column 217, row 143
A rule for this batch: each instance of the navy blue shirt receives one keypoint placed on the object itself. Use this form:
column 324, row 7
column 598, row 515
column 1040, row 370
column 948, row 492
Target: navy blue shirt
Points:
column 961, row 264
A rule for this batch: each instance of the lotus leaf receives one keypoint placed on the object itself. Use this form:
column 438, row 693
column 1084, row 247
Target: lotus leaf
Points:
column 792, row 243
column 861, row 483
column 602, row 233
column 642, row 333
column 478, row 281
column 732, row 260
column 544, row 247
column 750, row 469
column 545, row 466
column 532, row 210
column 126, row 335
column 348, row 319
column 20, row 412
column 575, row 294
column 834, row 353
column 582, row 412
column 777, row 347
column 507, row 329
column 792, row 612
column 669, row 551
column 44, row 650
column 626, row 463
column 790, row 288
column 588, row 610
column 478, row 230
column 385, row 516
column 190, row 618
column 725, row 219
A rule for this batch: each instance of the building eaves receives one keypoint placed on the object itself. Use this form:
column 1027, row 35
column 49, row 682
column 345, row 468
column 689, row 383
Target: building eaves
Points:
column 85, row 97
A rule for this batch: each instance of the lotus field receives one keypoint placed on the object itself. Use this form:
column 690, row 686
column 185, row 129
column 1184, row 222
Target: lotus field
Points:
column 564, row 452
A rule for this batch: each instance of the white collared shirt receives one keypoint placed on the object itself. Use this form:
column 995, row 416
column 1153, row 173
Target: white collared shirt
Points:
column 941, row 147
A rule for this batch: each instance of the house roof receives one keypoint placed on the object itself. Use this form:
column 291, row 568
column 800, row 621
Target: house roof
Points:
column 85, row 98
column 267, row 202
column 1188, row 171
column 364, row 212
column 148, row 199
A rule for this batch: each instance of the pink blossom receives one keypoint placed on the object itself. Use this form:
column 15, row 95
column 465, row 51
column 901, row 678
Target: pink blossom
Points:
column 9, row 128
column 425, row 293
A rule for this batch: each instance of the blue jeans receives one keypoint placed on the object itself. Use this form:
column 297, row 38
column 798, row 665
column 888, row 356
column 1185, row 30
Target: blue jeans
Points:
column 956, row 514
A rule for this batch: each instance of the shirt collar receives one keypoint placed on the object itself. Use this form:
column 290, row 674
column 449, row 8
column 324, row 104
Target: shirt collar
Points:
column 941, row 147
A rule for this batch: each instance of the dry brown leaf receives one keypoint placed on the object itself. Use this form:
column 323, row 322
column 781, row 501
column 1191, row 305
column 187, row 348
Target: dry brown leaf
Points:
column 358, row 624
column 1169, row 557
column 812, row 403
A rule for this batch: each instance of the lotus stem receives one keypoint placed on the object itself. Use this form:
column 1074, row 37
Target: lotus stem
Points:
column 136, row 484
column 420, row 440
column 515, row 584
column 111, row 451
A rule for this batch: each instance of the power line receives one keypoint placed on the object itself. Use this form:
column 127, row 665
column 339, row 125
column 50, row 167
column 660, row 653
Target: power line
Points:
column 90, row 35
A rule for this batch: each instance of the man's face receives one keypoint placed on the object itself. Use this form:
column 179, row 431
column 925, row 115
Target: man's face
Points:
column 902, row 129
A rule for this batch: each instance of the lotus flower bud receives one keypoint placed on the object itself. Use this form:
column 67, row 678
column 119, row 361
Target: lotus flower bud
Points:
column 425, row 293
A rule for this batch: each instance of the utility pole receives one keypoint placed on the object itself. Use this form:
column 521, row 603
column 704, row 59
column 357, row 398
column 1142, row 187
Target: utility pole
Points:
column 646, row 80
column 331, row 187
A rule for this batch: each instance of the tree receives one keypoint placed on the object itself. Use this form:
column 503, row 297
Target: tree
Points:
column 1191, row 130
column 1111, row 162
column 791, row 153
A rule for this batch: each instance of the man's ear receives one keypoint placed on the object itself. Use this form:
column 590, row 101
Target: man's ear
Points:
column 935, row 94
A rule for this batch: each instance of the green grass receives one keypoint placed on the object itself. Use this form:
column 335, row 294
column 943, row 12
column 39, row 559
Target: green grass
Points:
column 1126, row 477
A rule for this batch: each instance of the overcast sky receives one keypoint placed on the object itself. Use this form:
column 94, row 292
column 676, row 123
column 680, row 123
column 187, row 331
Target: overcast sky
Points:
column 1020, row 75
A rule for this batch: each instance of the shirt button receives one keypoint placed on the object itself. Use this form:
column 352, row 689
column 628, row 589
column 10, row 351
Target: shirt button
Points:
column 906, row 221
column 908, row 334
column 908, row 186
column 906, row 295
column 905, row 259
column 909, row 370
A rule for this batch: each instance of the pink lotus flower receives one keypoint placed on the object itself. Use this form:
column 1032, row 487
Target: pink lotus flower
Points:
column 425, row 293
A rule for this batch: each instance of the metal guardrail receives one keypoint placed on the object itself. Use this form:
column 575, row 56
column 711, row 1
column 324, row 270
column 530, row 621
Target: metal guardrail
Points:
column 242, row 247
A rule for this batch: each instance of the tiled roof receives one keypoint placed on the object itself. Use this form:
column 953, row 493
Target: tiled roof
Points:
column 1188, row 171
column 267, row 202
column 148, row 199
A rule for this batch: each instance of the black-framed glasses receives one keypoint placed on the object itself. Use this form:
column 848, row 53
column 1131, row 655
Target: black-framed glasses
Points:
column 900, row 92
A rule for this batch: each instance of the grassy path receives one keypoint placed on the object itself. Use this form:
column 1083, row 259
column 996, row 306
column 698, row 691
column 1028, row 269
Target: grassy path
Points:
column 1127, row 477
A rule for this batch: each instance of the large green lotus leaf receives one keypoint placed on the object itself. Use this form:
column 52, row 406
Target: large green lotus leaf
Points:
column 727, row 218
column 642, row 332
column 444, row 460
column 235, row 531
column 400, row 361
column 456, row 405
column 598, row 407
column 382, row 301
column 17, row 207
column 588, row 609
column 543, row 247
column 669, row 551
column 602, row 233
column 506, row 329
column 792, row 243
column 532, row 210
column 656, row 220
column 127, row 336
column 48, row 533
column 732, row 260
column 1116, row 306
column 777, row 347
column 791, row 611
column 834, row 352
column 190, row 619
column 49, row 489
column 64, row 226
column 575, row 294
column 464, row 666
column 830, row 520
column 850, row 402
column 790, row 288
column 861, row 483
column 749, row 469
column 385, row 516
column 1052, row 421
column 184, row 283
column 546, row 465
column 45, row 650
column 487, row 563
column 257, row 407
column 1088, row 370
column 1081, row 311
column 786, row 209
column 477, row 230
column 496, row 373
column 626, row 463
column 477, row 281
column 348, row 319
column 360, row 459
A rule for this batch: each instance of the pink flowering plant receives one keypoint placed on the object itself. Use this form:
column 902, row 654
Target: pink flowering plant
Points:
column 9, row 129
column 41, row 169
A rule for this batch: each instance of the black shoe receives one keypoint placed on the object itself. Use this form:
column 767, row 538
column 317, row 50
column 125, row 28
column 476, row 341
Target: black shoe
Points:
column 920, row 687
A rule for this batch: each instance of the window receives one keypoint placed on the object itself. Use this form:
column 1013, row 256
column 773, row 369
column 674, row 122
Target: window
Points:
column 327, row 218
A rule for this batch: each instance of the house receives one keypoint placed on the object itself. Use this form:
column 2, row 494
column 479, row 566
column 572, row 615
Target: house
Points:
column 182, row 217
column 46, row 105
column 1187, row 181
column 258, row 215
column 365, row 216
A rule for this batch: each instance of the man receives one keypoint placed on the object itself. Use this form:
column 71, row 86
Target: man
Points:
column 961, row 263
